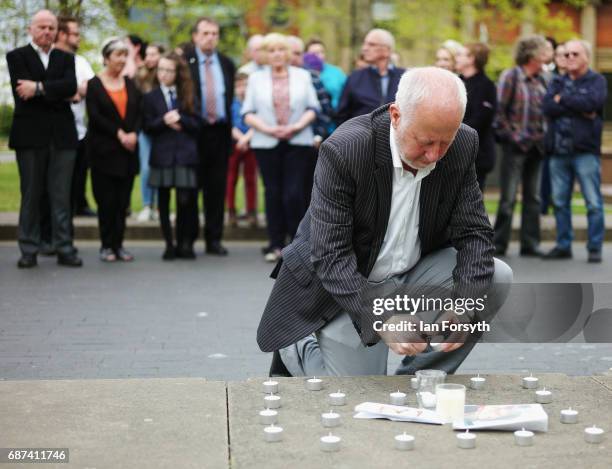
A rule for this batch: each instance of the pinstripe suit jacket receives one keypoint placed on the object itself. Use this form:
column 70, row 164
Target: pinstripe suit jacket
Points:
column 324, row 270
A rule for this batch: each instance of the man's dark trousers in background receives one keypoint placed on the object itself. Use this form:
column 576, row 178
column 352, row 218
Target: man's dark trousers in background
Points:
column 524, row 168
column 214, row 148
column 39, row 169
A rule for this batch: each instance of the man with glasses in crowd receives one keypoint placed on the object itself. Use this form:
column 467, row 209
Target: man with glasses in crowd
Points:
column 371, row 87
column 574, row 105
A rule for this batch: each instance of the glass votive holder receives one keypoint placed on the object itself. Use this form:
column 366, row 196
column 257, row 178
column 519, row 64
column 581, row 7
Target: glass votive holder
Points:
column 427, row 380
column 450, row 402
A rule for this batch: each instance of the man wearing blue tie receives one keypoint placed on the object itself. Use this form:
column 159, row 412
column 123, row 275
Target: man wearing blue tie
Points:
column 213, row 77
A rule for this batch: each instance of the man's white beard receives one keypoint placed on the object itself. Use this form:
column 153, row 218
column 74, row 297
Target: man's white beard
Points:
column 401, row 153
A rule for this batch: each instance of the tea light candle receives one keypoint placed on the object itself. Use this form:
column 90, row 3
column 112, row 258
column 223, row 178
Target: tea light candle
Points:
column 270, row 386
column 330, row 419
column 428, row 399
column 268, row 417
column 272, row 401
column 337, row 398
column 404, row 442
column 397, row 398
column 414, row 383
column 569, row 416
column 330, row 442
column 466, row 440
column 530, row 382
column 477, row 382
column 314, row 384
column 273, row 433
column 543, row 396
column 593, row 434
column 523, row 437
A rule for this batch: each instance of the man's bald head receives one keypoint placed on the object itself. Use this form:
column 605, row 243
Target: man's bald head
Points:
column 431, row 89
column 378, row 46
column 428, row 109
column 42, row 15
column 255, row 46
column 43, row 29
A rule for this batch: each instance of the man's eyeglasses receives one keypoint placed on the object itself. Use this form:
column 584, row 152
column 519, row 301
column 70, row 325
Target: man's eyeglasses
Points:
column 166, row 70
column 571, row 54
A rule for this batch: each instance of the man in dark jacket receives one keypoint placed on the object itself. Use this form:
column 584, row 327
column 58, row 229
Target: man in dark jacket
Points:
column 213, row 77
column 574, row 104
column 369, row 88
column 44, row 137
column 395, row 202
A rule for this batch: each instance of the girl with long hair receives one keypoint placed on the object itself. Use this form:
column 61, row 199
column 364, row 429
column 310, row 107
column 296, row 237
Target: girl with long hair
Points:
column 171, row 118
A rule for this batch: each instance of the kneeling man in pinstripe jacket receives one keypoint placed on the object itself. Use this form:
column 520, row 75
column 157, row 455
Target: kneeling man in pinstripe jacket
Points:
column 395, row 203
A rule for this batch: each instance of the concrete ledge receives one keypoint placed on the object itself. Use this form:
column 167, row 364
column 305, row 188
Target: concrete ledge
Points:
column 139, row 423
column 191, row 422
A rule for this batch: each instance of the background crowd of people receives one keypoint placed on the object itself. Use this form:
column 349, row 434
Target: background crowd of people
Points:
column 188, row 119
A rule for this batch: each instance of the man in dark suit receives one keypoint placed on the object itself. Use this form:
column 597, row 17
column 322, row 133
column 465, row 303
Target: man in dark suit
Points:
column 213, row 76
column 44, row 137
column 369, row 88
column 387, row 210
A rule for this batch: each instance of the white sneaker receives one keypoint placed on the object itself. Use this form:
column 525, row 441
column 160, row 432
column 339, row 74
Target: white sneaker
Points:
column 155, row 215
column 144, row 215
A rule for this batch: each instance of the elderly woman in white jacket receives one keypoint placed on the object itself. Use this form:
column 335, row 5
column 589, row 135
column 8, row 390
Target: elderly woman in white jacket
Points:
column 280, row 104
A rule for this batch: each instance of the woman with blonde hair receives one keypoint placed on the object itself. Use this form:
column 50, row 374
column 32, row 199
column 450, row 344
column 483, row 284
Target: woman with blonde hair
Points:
column 280, row 104
column 446, row 55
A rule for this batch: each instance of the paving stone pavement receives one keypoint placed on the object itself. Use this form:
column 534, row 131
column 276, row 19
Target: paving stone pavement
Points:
column 198, row 319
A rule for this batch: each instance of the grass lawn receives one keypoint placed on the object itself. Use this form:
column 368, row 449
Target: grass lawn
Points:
column 9, row 195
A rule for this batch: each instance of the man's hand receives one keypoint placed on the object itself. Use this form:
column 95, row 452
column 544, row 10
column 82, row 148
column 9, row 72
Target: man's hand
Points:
column 557, row 98
column 404, row 343
column 455, row 339
column 26, row 89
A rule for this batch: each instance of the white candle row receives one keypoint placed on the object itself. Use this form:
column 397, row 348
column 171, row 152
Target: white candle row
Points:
column 405, row 442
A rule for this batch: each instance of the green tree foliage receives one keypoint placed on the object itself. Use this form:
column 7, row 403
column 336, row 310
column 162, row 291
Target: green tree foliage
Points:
column 423, row 25
column 170, row 21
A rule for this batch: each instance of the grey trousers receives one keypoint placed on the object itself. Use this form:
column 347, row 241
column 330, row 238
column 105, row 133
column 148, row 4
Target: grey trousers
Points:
column 336, row 349
column 524, row 168
column 39, row 168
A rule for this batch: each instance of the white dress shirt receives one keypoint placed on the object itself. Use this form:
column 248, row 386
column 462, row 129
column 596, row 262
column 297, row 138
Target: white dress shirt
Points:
column 83, row 72
column 401, row 248
column 44, row 56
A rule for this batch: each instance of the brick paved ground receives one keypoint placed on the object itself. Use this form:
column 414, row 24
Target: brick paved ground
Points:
column 156, row 319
